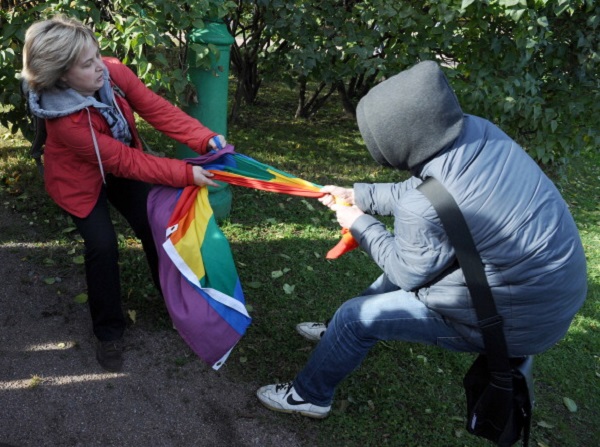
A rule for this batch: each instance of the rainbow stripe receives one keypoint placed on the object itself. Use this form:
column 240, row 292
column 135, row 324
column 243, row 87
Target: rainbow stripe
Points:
column 200, row 283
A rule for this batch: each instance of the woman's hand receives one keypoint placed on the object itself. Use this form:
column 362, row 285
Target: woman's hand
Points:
column 336, row 194
column 217, row 142
column 202, row 176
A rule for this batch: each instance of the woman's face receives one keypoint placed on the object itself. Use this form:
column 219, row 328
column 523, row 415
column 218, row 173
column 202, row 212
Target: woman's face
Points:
column 86, row 75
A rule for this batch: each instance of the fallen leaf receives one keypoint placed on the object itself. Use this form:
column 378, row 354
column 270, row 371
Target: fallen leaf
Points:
column 81, row 298
column 254, row 284
column 276, row 274
column 78, row 260
column 288, row 289
column 545, row 424
column 308, row 205
column 49, row 280
column 132, row 315
column 570, row 404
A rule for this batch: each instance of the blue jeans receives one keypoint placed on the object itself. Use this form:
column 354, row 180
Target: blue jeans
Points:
column 383, row 312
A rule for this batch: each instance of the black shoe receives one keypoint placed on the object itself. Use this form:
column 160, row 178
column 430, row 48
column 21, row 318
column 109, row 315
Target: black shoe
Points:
column 110, row 355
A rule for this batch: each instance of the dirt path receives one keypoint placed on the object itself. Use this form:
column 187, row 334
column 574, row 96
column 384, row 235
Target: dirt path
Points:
column 53, row 393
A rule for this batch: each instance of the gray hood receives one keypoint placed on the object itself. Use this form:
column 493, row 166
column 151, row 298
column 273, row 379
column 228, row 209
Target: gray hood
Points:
column 410, row 118
column 57, row 102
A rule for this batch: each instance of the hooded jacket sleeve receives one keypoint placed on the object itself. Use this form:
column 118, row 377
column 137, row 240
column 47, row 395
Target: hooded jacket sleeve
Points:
column 418, row 250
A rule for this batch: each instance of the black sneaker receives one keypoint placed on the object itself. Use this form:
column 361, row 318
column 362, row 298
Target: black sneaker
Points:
column 110, row 355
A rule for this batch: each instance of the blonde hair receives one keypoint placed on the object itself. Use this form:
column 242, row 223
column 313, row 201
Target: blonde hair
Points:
column 51, row 48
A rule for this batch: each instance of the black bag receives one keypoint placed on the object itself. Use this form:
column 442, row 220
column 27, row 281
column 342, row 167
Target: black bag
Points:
column 499, row 390
column 499, row 405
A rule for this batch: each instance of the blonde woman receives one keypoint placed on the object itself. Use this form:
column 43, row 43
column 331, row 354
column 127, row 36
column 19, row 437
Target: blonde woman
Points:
column 94, row 156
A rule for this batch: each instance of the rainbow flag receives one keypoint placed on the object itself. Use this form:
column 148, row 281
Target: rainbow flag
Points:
column 199, row 281
column 238, row 169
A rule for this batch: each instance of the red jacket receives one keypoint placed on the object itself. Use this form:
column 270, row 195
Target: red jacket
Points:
column 72, row 175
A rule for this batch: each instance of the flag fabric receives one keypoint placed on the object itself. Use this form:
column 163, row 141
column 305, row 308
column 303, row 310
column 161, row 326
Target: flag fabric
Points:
column 199, row 281
column 238, row 169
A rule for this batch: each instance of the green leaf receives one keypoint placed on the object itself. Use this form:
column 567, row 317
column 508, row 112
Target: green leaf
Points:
column 276, row 274
column 49, row 280
column 254, row 284
column 288, row 289
column 78, row 260
column 543, row 21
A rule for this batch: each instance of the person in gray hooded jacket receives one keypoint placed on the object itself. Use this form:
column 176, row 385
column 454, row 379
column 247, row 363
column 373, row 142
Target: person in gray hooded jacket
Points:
column 528, row 241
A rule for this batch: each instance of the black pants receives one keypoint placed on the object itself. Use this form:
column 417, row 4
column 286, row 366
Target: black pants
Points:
column 102, row 255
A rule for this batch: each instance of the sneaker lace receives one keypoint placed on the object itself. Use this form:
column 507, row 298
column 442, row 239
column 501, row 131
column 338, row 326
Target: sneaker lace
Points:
column 285, row 385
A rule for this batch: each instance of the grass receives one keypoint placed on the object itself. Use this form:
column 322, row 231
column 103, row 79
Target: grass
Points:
column 403, row 394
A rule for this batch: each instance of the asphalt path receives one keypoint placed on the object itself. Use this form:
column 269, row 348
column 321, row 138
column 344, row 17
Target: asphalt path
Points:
column 53, row 392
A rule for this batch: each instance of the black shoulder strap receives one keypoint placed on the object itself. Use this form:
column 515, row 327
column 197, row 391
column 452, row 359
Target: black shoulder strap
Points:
column 489, row 321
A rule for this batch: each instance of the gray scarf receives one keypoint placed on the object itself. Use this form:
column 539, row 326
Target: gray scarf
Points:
column 112, row 114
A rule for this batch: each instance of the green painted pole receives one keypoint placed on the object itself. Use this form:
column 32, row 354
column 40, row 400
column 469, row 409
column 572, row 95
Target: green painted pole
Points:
column 212, row 87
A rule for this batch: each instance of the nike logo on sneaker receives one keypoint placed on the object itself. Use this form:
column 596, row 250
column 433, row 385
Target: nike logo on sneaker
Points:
column 292, row 401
